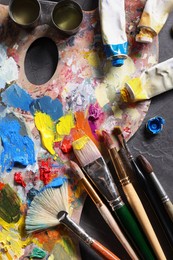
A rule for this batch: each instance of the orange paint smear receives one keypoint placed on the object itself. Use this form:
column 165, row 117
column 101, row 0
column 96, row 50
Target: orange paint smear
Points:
column 82, row 128
column 1, row 185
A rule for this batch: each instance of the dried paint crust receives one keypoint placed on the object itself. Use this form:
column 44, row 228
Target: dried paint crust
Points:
column 83, row 84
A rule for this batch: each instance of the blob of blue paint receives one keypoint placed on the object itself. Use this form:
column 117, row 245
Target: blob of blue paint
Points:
column 16, row 97
column 17, row 149
column 31, row 194
column 155, row 125
column 55, row 183
column 47, row 105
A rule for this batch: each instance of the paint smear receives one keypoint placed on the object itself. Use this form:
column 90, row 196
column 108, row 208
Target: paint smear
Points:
column 46, row 127
column 8, row 67
column 114, row 79
column 9, row 204
column 64, row 126
column 17, row 149
column 15, row 96
column 48, row 106
column 11, row 241
column 47, row 173
column 95, row 114
column 81, row 142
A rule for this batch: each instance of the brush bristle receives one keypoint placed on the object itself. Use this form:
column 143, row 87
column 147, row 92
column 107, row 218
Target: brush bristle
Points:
column 44, row 208
column 77, row 170
column 87, row 152
column 108, row 140
column 117, row 130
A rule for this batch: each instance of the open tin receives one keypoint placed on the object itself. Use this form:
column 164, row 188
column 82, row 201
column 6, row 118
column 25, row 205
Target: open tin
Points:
column 25, row 13
column 67, row 16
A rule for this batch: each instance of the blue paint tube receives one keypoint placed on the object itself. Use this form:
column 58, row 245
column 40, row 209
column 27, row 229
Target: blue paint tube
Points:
column 112, row 19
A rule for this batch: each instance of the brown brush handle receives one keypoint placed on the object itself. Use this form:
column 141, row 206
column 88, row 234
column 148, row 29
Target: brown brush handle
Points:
column 103, row 251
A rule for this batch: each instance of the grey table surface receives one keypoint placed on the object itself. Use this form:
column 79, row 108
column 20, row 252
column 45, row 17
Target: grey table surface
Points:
column 158, row 149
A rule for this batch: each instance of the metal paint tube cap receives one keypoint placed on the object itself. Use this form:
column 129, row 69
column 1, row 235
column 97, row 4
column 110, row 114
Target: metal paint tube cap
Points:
column 155, row 125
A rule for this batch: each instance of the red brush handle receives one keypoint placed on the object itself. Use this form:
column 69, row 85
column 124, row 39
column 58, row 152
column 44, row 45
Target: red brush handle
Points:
column 103, row 251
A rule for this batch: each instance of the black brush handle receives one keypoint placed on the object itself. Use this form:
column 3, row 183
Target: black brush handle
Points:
column 164, row 220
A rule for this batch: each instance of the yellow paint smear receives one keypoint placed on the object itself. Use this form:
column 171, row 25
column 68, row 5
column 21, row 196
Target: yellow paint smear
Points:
column 45, row 125
column 92, row 58
column 64, row 126
column 81, row 142
column 11, row 240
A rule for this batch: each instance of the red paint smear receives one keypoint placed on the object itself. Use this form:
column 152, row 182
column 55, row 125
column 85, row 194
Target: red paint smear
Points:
column 19, row 179
column 66, row 146
column 46, row 174
column 1, row 185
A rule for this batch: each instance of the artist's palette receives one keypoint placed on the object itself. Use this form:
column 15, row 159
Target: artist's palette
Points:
column 38, row 120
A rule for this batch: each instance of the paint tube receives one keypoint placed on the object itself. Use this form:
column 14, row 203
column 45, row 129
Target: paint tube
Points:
column 152, row 82
column 112, row 19
column 153, row 18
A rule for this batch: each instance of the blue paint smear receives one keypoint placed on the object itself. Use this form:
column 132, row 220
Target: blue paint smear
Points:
column 48, row 106
column 31, row 194
column 15, row 96
column 17, row 149
column 56, row 183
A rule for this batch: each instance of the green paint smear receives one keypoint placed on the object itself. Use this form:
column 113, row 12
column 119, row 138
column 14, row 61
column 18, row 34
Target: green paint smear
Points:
column 9, row 204
column 65, row 250
column 38, row 253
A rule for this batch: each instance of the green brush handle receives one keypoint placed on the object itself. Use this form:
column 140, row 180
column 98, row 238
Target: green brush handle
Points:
column 132, row 228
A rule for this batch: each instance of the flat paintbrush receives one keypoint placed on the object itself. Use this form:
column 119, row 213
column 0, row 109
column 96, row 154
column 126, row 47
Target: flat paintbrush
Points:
column 166, row 223
column 49, row 208
column 148, row 169
column 132, row 196
column 96, row 169
column 104, row 211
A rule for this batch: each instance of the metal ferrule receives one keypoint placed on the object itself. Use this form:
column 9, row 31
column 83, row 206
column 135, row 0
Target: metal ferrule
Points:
column 116, row 204
column 76, row 229
column 161, row 192
column 125, row 181
column 101, row 177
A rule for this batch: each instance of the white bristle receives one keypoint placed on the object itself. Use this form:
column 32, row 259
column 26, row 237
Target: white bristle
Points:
column 45, row 207
column 88, row 153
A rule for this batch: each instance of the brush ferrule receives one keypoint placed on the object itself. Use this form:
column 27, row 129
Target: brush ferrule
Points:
column 158, row 187
column 125, row 181
column 101, row 177
column 76, row 229
column 116, row 204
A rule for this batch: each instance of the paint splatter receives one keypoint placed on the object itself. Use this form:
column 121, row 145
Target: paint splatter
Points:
column 47, row 173
column 38, row 253
column 17, row 149
column 19, row 179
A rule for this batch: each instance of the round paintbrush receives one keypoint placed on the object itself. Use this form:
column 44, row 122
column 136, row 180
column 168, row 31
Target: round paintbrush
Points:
column 50, row 208
column 148, row 169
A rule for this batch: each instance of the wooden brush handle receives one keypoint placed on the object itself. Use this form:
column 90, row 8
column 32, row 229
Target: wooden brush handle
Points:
column 103, row 251
column 169, row 208
column 143, row 219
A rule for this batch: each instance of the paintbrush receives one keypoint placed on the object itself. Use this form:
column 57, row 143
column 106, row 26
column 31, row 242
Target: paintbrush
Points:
column 96, row 169
column 148, row 169
column 132, row 196
column 150, row 194
column 50, row 208
column 104, row 211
